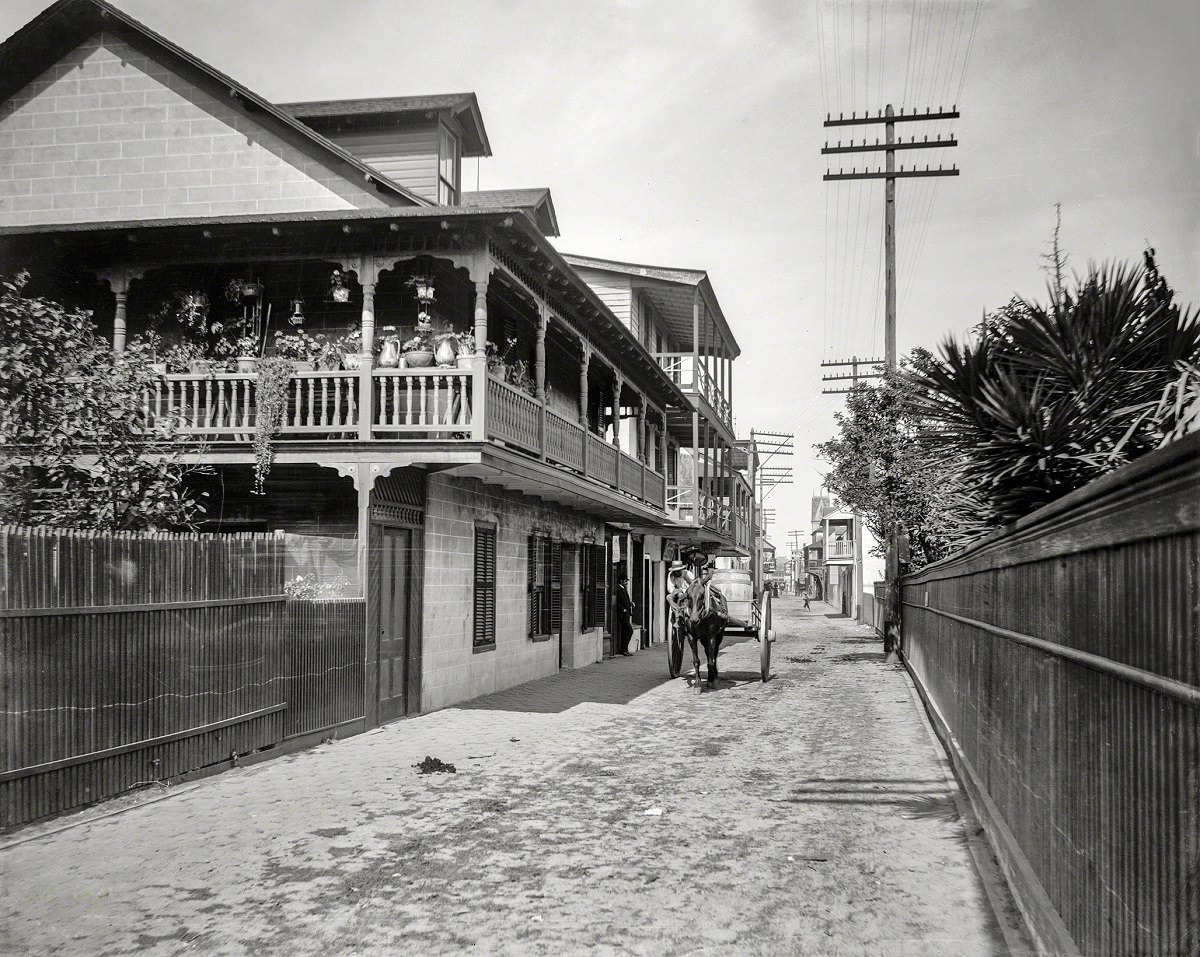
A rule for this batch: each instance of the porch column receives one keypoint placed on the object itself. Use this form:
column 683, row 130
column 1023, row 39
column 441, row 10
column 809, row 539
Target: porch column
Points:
column 618, row 388
column 641, row 433
column 368, row 321
column 662, row 448
column 539, row 356
column 584, row 362
column 118, row 279
column 481, row 317
column 695, row 467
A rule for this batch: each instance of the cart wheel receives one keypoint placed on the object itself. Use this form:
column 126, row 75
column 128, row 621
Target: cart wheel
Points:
column 675, row 653
column 764, row 635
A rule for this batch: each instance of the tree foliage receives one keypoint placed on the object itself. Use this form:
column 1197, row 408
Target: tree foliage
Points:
column 883, row 469
column 1045, row 398
column 80, row 446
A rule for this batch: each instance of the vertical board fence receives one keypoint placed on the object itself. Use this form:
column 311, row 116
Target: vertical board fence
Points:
column 129, row 658
column 1060, row 660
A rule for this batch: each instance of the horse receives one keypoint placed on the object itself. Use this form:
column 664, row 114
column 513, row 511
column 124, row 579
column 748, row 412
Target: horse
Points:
column 705, row 616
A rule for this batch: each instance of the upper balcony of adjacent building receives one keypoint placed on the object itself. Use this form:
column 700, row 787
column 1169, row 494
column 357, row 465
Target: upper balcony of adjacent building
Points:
column 675, row 314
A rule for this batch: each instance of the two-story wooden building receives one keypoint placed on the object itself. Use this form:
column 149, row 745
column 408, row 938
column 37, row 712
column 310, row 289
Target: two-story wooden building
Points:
column 475, row 514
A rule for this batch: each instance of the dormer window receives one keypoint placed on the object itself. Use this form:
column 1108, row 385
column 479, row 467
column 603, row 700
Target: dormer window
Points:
column 449, row 167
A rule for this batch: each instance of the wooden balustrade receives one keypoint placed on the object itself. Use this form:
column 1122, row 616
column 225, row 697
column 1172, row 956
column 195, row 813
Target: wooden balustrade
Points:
column 422, row 401
column 564, row 441
column 602, row 461
column 513, row 416
column 629, row 475
column 224, row 406
column 407, row 403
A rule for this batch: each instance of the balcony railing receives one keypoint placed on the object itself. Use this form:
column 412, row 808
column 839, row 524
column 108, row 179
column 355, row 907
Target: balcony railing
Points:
column 692, row 376
column 715, row 515
column 839, row 549
column 413, row 404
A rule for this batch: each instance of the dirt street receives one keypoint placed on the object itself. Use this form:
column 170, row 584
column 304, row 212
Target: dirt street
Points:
column 608, row 810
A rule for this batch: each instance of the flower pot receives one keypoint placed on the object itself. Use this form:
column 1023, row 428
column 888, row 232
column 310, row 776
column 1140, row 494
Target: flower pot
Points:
column 445, row 353
column 328, row 365
column 200, row 366
column 303, row 365
column 351, row 360
column 251, row 290
column 158, row 368
column 246, row 364
column 340, row 293
column 465, row 362
column 418, row 358
column 389, row 355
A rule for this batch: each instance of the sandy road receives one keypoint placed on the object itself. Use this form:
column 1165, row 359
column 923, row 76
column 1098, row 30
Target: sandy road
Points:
column 812, row 814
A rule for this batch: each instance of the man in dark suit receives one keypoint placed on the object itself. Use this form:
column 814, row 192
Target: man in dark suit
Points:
column 623, row 630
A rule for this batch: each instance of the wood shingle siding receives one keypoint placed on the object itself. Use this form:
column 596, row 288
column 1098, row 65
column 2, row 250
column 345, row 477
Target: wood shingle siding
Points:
column 614, row 291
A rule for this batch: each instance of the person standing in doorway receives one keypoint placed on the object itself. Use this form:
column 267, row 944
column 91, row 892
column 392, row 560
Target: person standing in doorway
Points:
column 623, row 631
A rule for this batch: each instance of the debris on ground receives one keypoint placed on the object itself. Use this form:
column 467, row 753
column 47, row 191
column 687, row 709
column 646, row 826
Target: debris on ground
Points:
column 432, row 765
column 653, row 812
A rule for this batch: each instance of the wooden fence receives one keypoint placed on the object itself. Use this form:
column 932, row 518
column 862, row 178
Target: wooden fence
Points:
column 1060, row 661
column 132, row 658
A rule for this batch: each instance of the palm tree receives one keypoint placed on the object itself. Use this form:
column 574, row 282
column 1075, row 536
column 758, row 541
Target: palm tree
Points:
column 1046, row 398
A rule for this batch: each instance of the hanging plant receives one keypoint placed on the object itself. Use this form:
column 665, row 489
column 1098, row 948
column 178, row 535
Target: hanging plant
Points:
column 271, row 405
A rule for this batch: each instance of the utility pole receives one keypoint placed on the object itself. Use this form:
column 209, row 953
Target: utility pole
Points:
column 890, row 173
column 855, row 376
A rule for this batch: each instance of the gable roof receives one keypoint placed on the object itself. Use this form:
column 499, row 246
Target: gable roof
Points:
column 464, row 107
column 64, row 25
column 672, row 292
column 535, row 202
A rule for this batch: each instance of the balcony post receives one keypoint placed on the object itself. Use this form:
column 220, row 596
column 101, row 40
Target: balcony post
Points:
column 584, row 362
column 119, row 279
column 479, row 381
column 618, row 388
column 539, row 374
column 367, row 274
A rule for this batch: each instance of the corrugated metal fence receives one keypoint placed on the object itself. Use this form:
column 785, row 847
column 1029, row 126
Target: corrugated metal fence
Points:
column 1061, row 661
column 131, row 658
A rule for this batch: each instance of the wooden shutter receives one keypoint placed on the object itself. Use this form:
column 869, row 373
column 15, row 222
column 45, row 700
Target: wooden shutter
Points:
column 585, row 587
column 535, row 597
column 555, row 585
column 600, row 585
column 485, row 586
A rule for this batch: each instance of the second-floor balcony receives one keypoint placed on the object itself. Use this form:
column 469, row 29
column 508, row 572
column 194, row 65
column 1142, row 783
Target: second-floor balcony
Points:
column 714, row 514
column 692, row 376
column 441, row 405
column 839, row 550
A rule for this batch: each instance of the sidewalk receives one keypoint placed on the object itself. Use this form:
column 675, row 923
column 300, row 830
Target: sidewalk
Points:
column 608, row 810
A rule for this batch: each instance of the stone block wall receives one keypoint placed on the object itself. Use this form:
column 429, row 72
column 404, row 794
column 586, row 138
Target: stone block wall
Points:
column 451, row 670
column 110, row 134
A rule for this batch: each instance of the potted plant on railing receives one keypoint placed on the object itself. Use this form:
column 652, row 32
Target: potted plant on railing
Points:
column 246, row 354
column 389, row 348
column 349, row 347
column 187, row 356
column 418, row 351
column 497, row 360
column 298, row 347
column 466, row 350
column 445, row 350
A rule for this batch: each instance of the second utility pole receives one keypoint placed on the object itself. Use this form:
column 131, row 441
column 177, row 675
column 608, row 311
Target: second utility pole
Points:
column 890, row 174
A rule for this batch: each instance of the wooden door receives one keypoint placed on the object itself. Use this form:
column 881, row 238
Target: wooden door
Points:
column 395, row 565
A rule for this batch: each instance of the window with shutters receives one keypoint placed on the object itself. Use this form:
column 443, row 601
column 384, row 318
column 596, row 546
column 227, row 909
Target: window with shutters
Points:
column 485, row 586
column 593, row 563
column 545, row 586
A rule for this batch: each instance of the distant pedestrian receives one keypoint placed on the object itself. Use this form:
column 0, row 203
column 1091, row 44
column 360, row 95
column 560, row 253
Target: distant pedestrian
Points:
column 806, row 604
column 623, row 631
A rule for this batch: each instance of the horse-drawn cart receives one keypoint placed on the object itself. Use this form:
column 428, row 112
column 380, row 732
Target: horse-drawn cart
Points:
column 747, row 615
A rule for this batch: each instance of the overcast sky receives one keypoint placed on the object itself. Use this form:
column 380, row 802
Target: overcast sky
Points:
column 689, row 134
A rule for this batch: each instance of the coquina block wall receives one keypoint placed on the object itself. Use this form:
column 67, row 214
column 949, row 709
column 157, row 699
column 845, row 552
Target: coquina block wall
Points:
column 452, row 671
